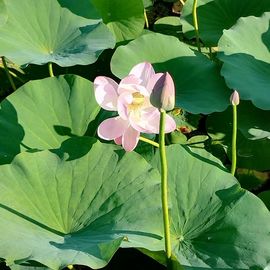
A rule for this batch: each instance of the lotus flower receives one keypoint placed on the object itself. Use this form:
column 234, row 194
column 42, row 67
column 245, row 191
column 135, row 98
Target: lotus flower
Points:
column 131, row 99
column 235, row 99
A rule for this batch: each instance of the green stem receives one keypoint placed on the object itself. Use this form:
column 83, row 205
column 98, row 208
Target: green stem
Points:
column 51, row 69
column 149, row 141
column 195, row 22
column 234, row 137
column 164, row 186
column 146, row 19
column 8, row 74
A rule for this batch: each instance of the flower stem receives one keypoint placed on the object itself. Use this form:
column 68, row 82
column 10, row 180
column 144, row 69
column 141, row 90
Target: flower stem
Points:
column 234, row 137
column 164, row 187
column 8, row 74
column 146, row 19
column 149, row 141
column 195, row 22
column 51, row 69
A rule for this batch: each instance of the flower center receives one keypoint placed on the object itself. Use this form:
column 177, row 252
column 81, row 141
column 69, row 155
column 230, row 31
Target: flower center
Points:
column 138, row 98
column 137, row 102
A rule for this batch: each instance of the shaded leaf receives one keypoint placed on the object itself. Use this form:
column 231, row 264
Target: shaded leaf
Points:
column 253, row 144
column 216, row 15
column 246, row 59
column 124, row 18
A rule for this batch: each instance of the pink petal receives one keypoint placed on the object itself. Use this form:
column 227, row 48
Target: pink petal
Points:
column 112, row 128
column 149, row 122
column 153, row 81
column 122, row 105
column 131, row 84
column 170, row 124
column 106, row 93
column 118, row 140
column 126, row 84
column 163, row 94
column 144, row 71
column 130, row 139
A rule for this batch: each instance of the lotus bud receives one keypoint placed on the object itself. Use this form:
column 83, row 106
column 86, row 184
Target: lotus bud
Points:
column 235, row 98
column 163, row 94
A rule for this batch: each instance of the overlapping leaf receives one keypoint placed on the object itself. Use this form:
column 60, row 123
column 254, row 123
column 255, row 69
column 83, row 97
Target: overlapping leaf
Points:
column 44, row 113
column 209, row 215
column 50, row 33
column 199, row 87
column 59, row 212
column 216, row 15
column 124, row 18
column 246, row 58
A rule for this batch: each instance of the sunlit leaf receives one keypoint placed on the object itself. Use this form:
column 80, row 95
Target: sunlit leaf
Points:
column 50, row 33
column 59, row 212
column 44, row 113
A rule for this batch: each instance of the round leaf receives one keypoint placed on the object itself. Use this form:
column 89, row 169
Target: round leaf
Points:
column 50, row 33
column 199, row 87
column 216, row 15
column 124, row 18
column 245, row 54
column 209, row 215
column 59, row 212
column 44, row 113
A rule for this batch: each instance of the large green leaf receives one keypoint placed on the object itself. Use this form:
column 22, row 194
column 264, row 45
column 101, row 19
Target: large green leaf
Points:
column 199, row 87
column 59, row 212
column 253, row 143
column 246, row 59
column 3, row 13
column 209, row 215
column 50, row 33
column 124, row 18
column 216, row 15
column 44, row 113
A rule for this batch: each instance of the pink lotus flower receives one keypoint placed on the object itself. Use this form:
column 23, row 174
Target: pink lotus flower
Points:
column 131, row 98
column 235, row 99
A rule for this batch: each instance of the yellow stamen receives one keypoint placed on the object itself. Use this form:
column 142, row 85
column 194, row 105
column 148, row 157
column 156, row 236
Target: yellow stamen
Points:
column 137, row 102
